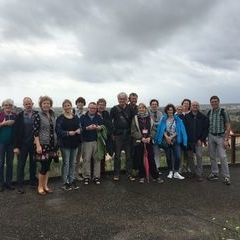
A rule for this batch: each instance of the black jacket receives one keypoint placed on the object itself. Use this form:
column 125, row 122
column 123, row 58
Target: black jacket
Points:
column 196, row 127
column 19, row 130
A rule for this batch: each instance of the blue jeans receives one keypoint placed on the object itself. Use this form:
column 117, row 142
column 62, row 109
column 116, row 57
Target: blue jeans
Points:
column 6, row 152
column 68, row 167
column 173, row 157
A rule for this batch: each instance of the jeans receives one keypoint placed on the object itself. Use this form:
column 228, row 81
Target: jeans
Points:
column 68, row 167
column 25, row 151
column 6, row 152
column 216, row 149
column 173, row 157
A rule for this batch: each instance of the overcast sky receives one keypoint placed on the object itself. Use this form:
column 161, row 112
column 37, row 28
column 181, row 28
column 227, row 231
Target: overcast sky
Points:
column 164, row 49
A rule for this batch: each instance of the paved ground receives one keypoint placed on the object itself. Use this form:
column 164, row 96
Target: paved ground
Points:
column 173, row 210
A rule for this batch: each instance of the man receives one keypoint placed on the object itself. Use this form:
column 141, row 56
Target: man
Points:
column 196, row 125
column 121, row 116
column 91, row 123
column 219, row 131
column 156, row 116
column 23, row 143
column 133, row 98
column 80, row 103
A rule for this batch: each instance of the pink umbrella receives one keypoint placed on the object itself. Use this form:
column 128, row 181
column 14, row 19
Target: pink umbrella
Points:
column 146, row 163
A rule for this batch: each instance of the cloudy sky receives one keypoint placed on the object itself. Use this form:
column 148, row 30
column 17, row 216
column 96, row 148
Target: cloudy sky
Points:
column 164, row 49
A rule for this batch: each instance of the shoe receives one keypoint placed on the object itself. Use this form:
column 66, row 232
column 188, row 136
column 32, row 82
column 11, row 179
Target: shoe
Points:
column 10, row 187
column 159, row 171
column 97, row 181
column 159, row 180
column 170, row 175
column 177, row 175
column 41, row 192
column 86, row 181
column 21, row 190
column 116, row 178
column 131, row 178
column 141, row 180
column 74, row 185
column 227, row 181
column 66, row 187
column 212, row 177
column 48, row 190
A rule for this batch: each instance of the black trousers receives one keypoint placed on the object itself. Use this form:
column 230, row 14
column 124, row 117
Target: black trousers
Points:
column 139, row 159
column 25, row 151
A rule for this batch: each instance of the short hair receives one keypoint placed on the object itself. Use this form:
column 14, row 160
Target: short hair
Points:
column 133, row 95
column 43, row 99
column 187, row 100
column 123, row 95
column 80, row 100
column 7, row 101
column 26, row 98
column 101, row 100
column 170, row 105
column 214, row 97
column 154, row 100
column 92, row 103
column 66, row 101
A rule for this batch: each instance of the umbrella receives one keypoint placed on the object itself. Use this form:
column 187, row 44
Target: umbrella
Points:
column 146, row 163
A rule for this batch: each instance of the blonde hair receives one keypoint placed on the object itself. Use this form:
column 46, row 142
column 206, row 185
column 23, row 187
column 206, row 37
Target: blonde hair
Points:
column 7, row 101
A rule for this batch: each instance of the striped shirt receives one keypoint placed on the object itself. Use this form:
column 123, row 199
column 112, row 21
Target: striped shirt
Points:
column 217, row 120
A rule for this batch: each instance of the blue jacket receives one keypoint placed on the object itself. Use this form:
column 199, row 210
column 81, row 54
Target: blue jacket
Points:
column 180, row 130
column 85, row 120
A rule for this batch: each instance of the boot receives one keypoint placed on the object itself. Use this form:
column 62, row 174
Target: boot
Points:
column 45, row 184
column 40, row 188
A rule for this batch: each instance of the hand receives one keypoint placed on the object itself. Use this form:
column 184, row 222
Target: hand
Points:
column 91, row 127
column 9, row 122
column 98, row 127
column 16, row 151
column 148, row 139
column 71, row 133
column 39, row 149
column 3, row 123
column 169, row 140
column 77, row 131
column 226, row 144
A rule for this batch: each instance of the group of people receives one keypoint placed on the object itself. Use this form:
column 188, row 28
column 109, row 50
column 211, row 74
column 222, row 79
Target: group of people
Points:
column 84, row 137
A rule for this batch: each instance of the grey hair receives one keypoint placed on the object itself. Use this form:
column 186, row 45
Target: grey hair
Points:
column 122, row 95
column 8, row 101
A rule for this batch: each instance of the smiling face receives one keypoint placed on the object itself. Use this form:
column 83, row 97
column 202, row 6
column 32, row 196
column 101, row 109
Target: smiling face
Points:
column 186, row 106
column 195, row 106
column 142, row 109
column 214, row 103
column 27, row 104
column 122, row 101
column 92, row 109
column 170, row 112
column 133, row 100
column 154, row 106
column 7, row 108
column 67, row 107
column 46, row 106
column 101, row 106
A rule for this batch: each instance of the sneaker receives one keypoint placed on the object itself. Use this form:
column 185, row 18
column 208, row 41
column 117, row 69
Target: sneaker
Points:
column 97, row 181
column 159, row 180
column 212, row 177
column 170, row 175
column 159, row 171
column 21, row 190
column 227, row 181
column 131, row 178
column 141, row 180
column 66, row 187
column 178, row 176
column 86, row 181
column 74, row 185
column 116, row 178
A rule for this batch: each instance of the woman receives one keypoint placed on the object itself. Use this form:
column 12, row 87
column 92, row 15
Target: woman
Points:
column 45, row 140
column 68, row 130
column 7, row 120
column 170, row 134
column 107, row 122
column 143, row 131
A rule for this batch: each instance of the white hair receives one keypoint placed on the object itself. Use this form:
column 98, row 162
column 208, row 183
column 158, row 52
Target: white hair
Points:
column 122, row 95
column 8, row 101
